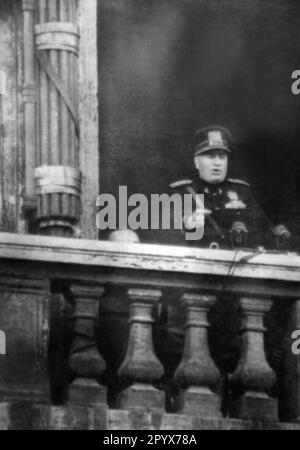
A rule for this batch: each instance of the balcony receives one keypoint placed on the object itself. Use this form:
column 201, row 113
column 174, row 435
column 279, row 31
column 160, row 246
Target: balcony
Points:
column 83, row 349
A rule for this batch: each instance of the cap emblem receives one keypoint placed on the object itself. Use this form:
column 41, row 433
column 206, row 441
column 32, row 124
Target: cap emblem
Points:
column 215, row 138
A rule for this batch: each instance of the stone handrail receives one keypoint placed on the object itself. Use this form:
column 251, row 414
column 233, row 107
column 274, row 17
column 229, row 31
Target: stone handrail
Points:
column 260, row 265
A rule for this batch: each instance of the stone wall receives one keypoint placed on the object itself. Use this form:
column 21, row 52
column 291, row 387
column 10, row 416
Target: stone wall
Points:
column 26, row 416
column 11, row 139
column 19, row 126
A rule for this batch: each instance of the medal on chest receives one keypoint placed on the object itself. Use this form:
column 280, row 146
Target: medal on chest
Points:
column 234, row 201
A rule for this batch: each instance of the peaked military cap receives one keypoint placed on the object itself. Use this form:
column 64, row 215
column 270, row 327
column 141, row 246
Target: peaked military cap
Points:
column 212, row 138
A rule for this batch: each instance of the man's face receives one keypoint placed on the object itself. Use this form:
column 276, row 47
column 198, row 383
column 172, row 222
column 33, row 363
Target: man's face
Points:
column 212, row 166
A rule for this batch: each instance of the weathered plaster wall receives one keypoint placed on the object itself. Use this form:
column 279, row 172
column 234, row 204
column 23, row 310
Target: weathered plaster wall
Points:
column 11, row 146
column 88, row 115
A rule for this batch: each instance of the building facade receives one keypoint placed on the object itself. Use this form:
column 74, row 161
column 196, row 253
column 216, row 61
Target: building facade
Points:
column 83, row 105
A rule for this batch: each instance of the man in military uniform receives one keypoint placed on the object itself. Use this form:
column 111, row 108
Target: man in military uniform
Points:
column 232, row 216
column 232, row 219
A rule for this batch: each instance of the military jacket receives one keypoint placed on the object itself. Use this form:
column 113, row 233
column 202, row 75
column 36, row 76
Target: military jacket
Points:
column 227, row 203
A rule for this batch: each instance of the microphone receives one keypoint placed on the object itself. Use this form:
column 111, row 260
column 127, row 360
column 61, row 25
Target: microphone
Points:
column 238, row 234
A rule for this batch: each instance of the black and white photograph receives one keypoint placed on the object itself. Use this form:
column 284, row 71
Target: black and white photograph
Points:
column 149, row 217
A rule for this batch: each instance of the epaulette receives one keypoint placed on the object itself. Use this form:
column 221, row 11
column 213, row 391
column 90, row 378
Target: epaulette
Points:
column 235, row 180
column 180, row 183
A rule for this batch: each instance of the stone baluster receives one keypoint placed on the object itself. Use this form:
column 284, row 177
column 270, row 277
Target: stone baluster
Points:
column 253, row 377
column 141, row 368
column 197, row 373
column 86, row 363
column 57, row 174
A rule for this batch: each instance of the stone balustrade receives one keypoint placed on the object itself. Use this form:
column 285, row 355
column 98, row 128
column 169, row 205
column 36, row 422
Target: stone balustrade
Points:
column 142, row 280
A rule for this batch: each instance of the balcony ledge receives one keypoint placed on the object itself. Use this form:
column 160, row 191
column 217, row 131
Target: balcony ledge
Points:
column 264, row 265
